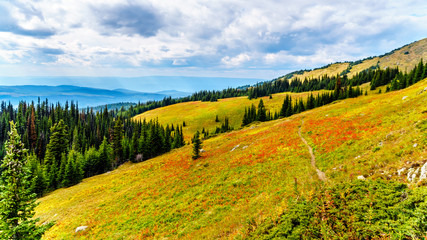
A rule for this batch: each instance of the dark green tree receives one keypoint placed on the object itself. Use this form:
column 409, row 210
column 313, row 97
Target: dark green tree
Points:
column 56, row 147
column 197, row 145
column 17, row 202
column 117, row 141
column 262, row 112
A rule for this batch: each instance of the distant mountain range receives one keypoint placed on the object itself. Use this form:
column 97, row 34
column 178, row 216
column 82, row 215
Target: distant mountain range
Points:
column 83, row 95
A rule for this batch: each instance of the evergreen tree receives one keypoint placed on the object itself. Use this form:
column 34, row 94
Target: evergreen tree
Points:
column 17, row 202
column 262, row 112
column 56, row 147
column 32, row 134
column 337, row 88
column 117, row 141
column 197, row 145
column 104, row 156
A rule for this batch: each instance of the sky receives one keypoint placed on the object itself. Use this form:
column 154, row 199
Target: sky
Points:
column 222, row 38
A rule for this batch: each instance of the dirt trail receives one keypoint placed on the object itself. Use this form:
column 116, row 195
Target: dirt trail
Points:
column 322, row 175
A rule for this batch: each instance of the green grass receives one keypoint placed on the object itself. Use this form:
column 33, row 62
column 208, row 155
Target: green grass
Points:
column 226, row 193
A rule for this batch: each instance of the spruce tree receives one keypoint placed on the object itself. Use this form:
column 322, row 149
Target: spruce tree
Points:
column 262, row 112
column 197, row 145
column 117, row 141
column 17, row 202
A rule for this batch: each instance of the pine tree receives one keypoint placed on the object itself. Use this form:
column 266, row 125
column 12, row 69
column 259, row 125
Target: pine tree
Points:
column 337, row 89
column 17, row 202
column 117, row 141
column 197, row 145
column 32, row 134
column 262, row 112
column 57, row 146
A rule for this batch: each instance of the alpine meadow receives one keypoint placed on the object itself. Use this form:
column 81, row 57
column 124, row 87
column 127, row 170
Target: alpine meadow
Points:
column 213, row 120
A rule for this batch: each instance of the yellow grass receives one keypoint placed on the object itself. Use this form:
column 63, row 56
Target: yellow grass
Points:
column 332, row 70
column 199, row 115
column 405, row 58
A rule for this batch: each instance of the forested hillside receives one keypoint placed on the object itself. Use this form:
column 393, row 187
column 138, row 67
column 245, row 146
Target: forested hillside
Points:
column 67, row 144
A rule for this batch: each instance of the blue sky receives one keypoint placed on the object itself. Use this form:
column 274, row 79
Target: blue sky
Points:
column 221, row 38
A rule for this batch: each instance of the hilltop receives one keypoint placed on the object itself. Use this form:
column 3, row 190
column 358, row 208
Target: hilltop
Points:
column 246, row 177
column 405, row 58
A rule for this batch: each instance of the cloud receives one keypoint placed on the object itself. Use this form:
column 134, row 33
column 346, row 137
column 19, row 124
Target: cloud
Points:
column 129, row 19
column 179, row 62
column 9, row 23
column 236, row 61
column 51, row 51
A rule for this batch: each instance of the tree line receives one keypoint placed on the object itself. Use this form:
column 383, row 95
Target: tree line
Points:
column 289, row 108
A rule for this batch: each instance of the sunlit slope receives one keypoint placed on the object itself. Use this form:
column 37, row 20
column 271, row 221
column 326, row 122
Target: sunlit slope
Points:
column 331, row 70
column 227, row 192
column 199, row 115
column 405, row 58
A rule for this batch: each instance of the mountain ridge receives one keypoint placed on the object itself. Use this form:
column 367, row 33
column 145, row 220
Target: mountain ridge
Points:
column 85, row 96
column 405, row 57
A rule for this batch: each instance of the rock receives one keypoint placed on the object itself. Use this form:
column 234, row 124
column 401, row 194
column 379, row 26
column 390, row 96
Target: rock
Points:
column 202, row 150
column 412, row 174
column 415, row 145
column 235, row 147
column 380, row 144
column 405, row 97
column 400, row 171
column 423, row 174
column 361, row 177
column 81, row 228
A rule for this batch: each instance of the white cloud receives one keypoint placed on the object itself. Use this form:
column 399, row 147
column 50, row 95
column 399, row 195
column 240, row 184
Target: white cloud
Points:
column 235, row 61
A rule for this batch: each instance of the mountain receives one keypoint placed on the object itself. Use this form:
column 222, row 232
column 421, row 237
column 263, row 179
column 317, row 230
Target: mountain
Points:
column 246, row 179
column 142, row 84
column 83, row 95
column 174, row 93
column 405, row 58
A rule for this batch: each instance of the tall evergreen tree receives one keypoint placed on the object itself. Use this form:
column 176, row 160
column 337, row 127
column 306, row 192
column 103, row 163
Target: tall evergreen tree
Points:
column 262, row 112
column 197, row 145
column 32, row 134
column 17, row 202
column 56, row 147
column 117, row 141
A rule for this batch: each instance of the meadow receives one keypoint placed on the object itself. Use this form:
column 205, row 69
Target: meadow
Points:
column 246, row 176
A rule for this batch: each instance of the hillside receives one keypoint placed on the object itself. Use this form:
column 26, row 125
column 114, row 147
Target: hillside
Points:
column 405, row 58
column 246, row 177
column 198, row 115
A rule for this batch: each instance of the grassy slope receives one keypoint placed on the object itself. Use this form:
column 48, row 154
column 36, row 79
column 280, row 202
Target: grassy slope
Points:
column 225, row 192
column 198, row 115
column 405, row 58
column 332, row 70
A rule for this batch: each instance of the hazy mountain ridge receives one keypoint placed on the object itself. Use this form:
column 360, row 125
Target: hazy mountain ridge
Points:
column 85, row 96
